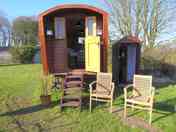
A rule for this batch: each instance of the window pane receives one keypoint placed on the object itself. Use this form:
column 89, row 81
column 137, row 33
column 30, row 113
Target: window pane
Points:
column 90, row 23
column 59, row 28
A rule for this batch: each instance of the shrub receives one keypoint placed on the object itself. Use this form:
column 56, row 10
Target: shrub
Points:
column 23, row 54
column 151, row 59
column 160, row 59
column 47, row 84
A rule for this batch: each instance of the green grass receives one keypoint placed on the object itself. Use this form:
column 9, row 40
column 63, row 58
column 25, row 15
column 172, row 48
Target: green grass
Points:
column 20, row 108
column 19, row 80
column 164, row 114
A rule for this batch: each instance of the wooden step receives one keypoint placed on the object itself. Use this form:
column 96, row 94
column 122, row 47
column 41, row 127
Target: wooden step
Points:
column 72, row 97
column 73, row 89
column 77, row 71
column 74, row 77
column 73, row 92
column 71, row 103
column 73, row 83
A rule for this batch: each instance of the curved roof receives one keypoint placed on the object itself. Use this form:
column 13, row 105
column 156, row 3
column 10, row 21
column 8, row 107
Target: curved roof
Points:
column 101, row 4
column 74, row 6
column 129, row 40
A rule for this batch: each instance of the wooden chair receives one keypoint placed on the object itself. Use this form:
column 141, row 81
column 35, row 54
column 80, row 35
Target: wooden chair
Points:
column 142, row 94
column 104, row 89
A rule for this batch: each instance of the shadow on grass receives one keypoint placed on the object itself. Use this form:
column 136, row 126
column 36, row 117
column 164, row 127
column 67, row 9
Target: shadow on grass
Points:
column 164, row 108
column 23, row 125
column 6, row 65
column 65, row 126
column 30, row 109
column 9, row 65
column 164, row 85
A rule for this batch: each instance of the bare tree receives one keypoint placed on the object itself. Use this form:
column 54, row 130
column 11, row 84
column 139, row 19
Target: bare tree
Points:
column 138, row 17
column 147, row 19
column 5, row 29
column 121, row 16
column 154, row 21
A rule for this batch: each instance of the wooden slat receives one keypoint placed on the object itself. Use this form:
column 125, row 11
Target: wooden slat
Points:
column 57, row 55
column 71, row 103
column 73, row 83
column 104, row 81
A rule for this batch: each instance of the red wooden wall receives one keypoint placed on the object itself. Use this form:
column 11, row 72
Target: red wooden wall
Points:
column 56, row 62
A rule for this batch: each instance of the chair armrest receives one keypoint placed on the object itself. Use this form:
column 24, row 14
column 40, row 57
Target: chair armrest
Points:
column 126, row 88
column 153, row 90
column 152, row 94
column 112, row 89
column 91, row 85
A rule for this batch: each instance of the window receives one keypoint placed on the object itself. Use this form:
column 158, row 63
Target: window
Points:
column 90, row 22
column 91, row 26
column 60, row 28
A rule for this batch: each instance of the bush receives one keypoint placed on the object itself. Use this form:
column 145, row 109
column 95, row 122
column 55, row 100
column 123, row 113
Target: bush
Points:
column 23, row 54
column 151, row 59
column 159, row 60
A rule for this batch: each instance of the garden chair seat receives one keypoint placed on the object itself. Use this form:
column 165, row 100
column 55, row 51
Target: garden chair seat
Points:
column 100, row 94
column 139, row 100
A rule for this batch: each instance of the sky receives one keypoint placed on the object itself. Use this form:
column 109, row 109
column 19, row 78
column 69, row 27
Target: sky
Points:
column 14, row 8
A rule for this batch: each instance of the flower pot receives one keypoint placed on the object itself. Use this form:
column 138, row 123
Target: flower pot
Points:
column 45, row 99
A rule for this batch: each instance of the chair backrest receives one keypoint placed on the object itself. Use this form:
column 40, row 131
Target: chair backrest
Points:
column 104, row 82
column 142, row 85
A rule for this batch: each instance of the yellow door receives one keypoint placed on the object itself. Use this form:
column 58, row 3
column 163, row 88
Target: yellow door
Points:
column 92, row 46
column 92, row 53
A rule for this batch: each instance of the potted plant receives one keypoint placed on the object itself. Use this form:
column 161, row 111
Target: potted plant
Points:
column 47, row 83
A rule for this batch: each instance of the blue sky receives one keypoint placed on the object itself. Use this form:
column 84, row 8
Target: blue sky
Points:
column 14, row 8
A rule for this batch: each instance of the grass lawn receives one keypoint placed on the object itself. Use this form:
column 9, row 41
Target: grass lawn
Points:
column 20, row 109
